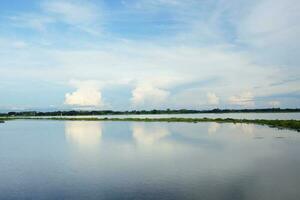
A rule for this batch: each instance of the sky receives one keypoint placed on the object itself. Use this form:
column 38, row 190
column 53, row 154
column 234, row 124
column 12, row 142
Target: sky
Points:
column 149, row 54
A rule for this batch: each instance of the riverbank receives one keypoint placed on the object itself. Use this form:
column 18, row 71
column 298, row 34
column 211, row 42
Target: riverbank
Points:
column 281, row 124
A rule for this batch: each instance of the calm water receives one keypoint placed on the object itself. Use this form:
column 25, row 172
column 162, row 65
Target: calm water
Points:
column 212, row 115
column 136, row 160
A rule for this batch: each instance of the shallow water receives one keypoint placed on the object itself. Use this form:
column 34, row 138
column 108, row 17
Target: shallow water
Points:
column 137, row 160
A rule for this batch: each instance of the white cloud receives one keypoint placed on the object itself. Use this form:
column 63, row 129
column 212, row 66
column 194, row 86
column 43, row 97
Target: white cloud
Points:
column 34, row 21
column 72, row 12
column 274, row 103
column 136, row 63
column 19, row 44
column 162, row 4
column 198, row 50
column 244, row 99
column 147, row 3
column 81, row 15
column 87, row 94
column 269, row 20
column 271, row 28
column 148, row 95
column 212, row 98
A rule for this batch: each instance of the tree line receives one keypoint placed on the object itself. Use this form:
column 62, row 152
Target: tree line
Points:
column 146, row 112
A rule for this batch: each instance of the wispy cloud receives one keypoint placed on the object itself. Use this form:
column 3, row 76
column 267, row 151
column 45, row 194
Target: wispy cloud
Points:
column 238, row 46
column 271, row 28
column 244, row 99
column 78, row 14
column 34, row 21
column 72, row 12
column 19, row 44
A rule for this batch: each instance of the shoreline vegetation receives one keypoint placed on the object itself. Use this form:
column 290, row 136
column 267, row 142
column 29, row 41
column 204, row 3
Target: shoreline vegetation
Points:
column 280, row 124
column 147, row 112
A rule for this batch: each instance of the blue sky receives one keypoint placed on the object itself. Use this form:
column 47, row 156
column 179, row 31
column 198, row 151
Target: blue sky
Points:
column 146, row 54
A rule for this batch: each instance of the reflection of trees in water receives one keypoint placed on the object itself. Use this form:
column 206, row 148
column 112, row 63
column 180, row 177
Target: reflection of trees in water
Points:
column 148, row 134
column 83, row 133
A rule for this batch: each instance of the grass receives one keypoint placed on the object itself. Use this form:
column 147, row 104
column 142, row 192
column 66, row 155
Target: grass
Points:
column 280, row 124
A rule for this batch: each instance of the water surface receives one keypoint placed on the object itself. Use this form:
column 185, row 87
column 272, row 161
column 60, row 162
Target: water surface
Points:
column 137, row 160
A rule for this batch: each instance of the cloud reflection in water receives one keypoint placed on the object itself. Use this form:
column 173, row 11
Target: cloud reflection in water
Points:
column 213, row 127
column 244, row 128
column 83, row 133
column 148, row 134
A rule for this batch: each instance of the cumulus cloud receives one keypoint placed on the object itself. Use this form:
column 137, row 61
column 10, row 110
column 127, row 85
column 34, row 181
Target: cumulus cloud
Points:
column 207, row 44
column 148, row 95
column 274, row 103
column 86, row 95
column 244, row 99
column 212, row 98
